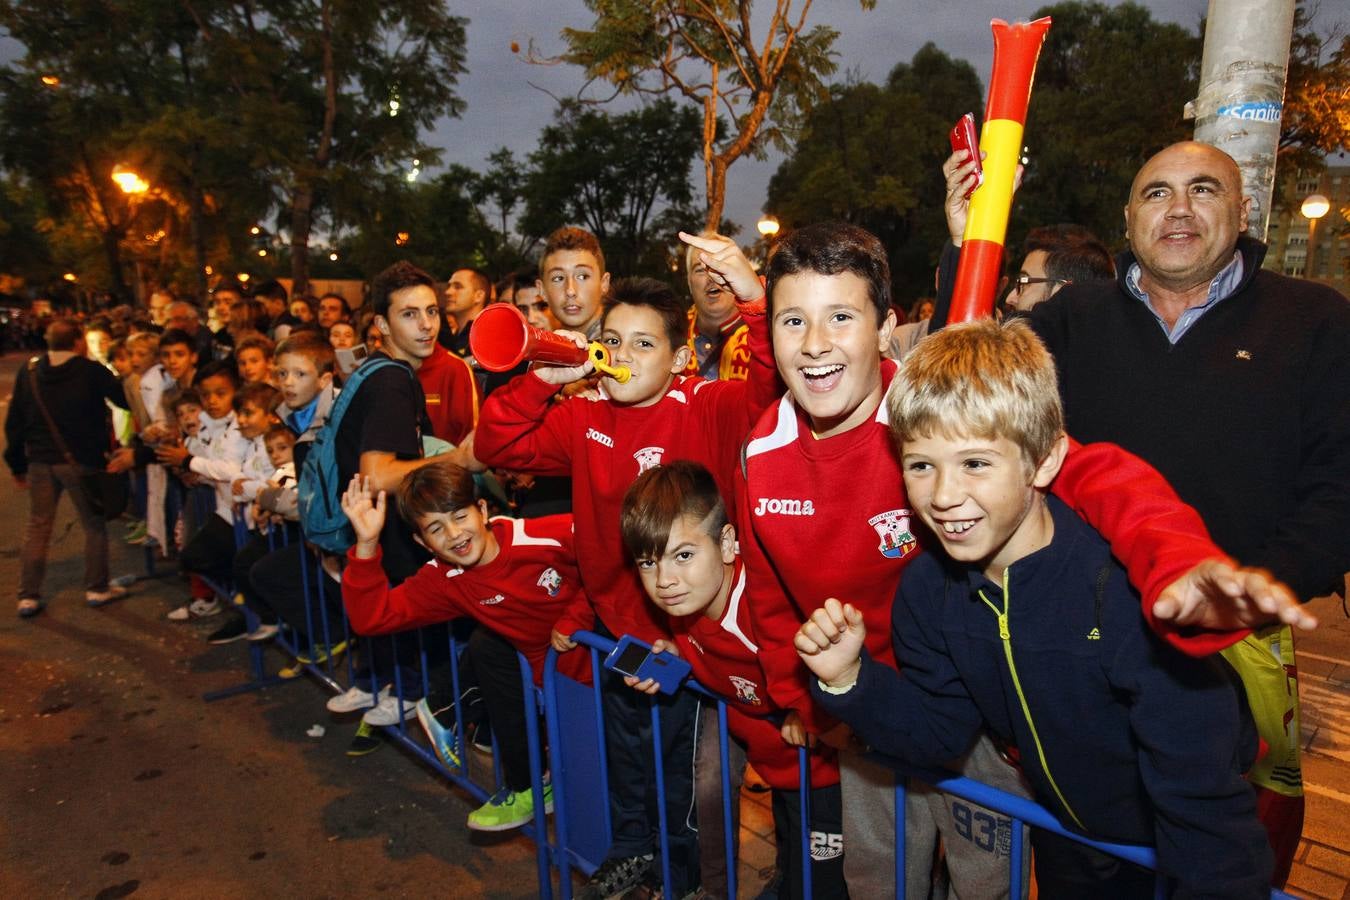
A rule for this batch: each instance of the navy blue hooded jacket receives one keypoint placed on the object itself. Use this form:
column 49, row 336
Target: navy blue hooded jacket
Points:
column 1122, row 737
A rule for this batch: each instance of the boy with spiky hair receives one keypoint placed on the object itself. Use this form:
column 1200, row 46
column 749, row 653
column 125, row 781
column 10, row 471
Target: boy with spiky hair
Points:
column 655, row 417
column 820, row 471
column 676, row 529
column 1024, row 624
column 573, row 278
column 514, row 576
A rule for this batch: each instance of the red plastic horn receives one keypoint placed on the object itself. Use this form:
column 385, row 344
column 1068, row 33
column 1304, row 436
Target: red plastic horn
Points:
column 1016, row 48
column 501, row 338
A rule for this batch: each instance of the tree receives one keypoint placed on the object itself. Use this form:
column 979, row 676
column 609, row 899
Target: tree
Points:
column 624, row 177
column 1111, row 89
column 710, row 52
column 336, row 90
column 849, row 164
column 1316, row 116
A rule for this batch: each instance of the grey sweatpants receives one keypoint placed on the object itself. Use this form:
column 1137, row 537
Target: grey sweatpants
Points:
column 977, row 841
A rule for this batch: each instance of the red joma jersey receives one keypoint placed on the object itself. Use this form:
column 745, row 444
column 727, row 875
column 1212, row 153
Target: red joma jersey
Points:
column 821, row 518
column 604, row 447
column 519, row 595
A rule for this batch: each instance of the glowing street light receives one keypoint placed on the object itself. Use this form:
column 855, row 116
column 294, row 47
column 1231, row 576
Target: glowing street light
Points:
column 402, row 238
column 262, row 252
column 255, row 231
column 243, row 277
column 1315, row 206
column 333, row 256
column 71, row 277
column 129, row 181
column 51, row 81
column 768, row 226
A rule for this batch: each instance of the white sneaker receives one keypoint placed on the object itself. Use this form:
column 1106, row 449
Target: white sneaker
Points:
column 180, row 614
column 203, row 608
column 264, row 632
column 387, row 711
column 353, row 699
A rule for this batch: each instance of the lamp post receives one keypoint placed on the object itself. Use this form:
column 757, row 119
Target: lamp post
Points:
column 768, row 227
column 1314, row 208
column 135, row 187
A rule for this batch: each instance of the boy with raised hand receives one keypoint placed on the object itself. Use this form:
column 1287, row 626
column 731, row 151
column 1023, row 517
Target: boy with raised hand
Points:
column 657, row 416
column 1024, row 624
column 676, row 529
column 821, row 471
column 514, row 576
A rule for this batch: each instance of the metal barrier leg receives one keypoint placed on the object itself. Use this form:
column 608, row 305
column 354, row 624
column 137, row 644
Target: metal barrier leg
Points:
column 536, row 780
column 662, row 831
column 729, row 824
column 804, row 810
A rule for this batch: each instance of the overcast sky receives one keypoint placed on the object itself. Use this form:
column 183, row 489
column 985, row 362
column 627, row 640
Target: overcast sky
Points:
column 509, row 99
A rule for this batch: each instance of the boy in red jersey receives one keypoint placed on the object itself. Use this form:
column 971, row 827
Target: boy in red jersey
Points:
column 675, row 526
column 511, row 575
column 821, row 474
column 656, row 416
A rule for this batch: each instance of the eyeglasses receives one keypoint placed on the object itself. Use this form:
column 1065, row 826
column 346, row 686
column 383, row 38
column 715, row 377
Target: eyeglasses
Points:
column 537, row 306
column 1023, row 280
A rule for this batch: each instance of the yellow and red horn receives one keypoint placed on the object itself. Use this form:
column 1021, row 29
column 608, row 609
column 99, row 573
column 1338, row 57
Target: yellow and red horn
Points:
column 1016, row 48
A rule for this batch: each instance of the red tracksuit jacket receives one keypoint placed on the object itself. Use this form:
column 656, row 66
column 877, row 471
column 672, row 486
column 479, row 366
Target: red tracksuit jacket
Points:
column 519, row 595
column 829, row 518
column 604, row 447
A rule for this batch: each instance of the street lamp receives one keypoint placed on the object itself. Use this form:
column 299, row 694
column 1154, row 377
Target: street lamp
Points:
column 129, row 181
column 768, row 227
column 1314, row 207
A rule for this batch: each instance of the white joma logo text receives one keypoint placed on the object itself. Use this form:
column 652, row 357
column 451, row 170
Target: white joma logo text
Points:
column 780, row 507
column 593, row 435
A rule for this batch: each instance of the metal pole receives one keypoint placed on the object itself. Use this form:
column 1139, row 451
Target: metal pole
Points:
column 1241, row 93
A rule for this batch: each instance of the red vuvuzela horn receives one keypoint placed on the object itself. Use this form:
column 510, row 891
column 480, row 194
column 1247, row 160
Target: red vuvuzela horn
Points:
column 501, row 338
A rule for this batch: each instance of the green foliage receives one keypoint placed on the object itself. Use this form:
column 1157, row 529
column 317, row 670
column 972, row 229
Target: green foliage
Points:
column 623, row 177
column 1110, row 91
column 871, row 155
column 1316, row 117
column 709, row 52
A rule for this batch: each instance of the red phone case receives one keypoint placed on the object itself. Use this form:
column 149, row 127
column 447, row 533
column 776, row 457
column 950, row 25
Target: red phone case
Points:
column 963, row 137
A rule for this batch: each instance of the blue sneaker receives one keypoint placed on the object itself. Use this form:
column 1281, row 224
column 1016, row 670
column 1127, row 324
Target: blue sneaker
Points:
column 442, row 739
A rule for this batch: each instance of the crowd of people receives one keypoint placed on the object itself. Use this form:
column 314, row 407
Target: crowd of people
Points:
column 823, row 511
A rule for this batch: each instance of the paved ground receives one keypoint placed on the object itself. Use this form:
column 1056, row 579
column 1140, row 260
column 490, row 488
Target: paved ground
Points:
column 118, row 779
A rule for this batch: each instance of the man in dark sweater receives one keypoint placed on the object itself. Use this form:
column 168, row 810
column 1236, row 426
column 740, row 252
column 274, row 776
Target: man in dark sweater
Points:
column 1226, row 377
column 74, row 391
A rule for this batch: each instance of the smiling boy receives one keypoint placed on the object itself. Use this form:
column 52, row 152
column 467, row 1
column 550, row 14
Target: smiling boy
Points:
column 1025, row 625
column 821, row 472
column 511, row 575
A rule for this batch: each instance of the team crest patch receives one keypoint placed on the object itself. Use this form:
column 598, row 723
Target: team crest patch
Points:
column 745, row 690
column 892, row 528
column 550, row 581
column 648, row 458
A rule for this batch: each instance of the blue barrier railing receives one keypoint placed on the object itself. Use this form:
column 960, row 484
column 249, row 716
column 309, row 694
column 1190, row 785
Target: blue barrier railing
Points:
column 566, row 706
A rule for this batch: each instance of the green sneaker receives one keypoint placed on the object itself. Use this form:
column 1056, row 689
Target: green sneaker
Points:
column 366, row 740
column 321, row 653
column 508, row 809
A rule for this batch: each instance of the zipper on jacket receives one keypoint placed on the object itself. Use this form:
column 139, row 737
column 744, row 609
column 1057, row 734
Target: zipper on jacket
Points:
column 1006, row 636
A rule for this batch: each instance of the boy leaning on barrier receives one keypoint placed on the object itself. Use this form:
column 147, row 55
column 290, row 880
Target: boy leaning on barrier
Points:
column 655, row 417
column 1024, row 625
column 821, row 474
column 514, row 576
column 675, row 526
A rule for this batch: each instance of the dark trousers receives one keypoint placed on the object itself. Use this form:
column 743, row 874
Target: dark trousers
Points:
column 632, row 777
column 827, row 843
column 278, row 582
column 1066, row 868
column 210, row 552
column 250, row 554
column 498, row 669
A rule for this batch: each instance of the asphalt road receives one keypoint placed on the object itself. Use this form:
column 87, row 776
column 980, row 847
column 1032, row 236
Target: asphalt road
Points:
column 117, row 779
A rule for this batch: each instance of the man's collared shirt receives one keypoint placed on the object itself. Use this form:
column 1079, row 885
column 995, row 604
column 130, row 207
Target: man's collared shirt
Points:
column 1224, row 285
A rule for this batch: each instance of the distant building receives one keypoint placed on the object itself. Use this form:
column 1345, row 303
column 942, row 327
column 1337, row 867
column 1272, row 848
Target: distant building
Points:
column 1319, row 251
